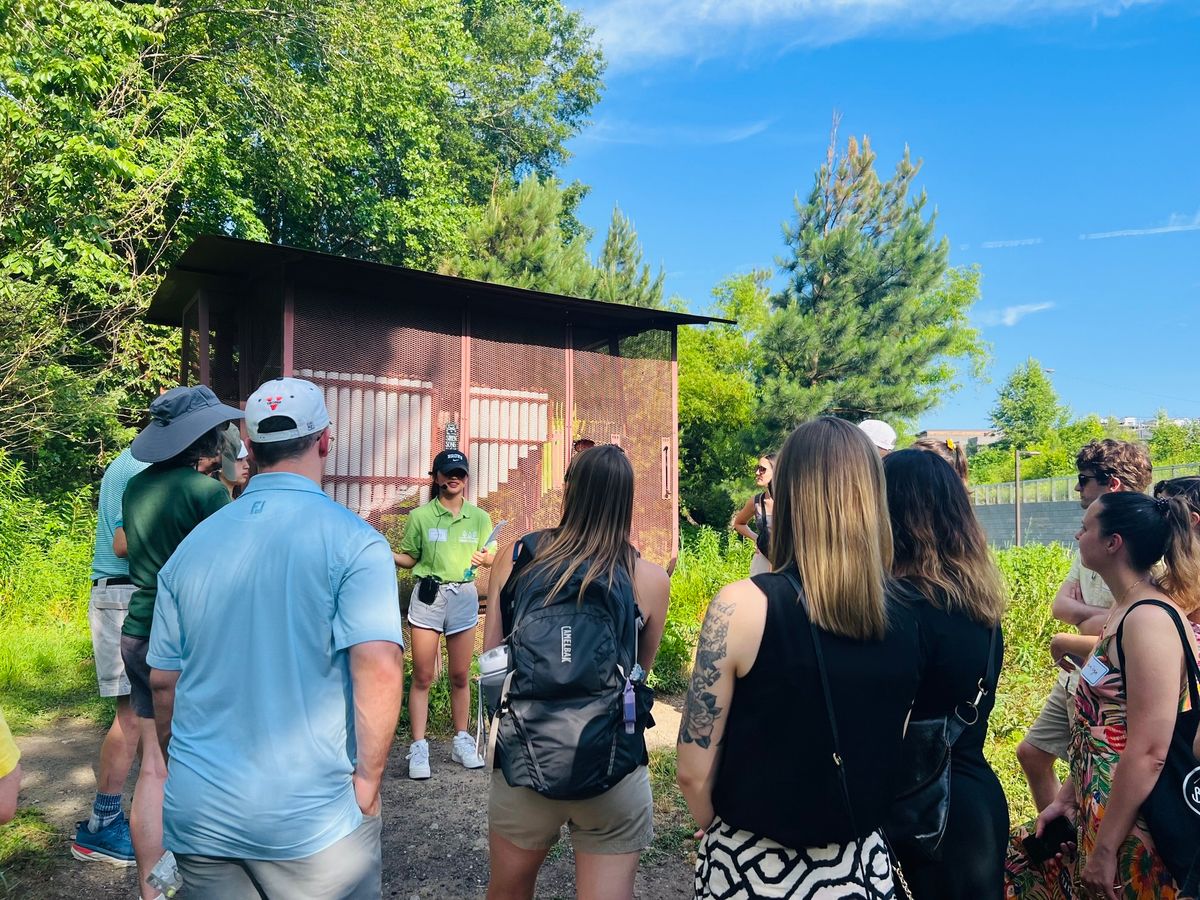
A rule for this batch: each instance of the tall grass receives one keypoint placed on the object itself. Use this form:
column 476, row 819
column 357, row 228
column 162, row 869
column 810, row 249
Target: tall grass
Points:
column 45, row 564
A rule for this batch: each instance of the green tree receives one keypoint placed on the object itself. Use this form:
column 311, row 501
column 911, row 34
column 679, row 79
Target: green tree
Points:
column 520, row 241
column 374, row 130
column 871, row 322
column 1027, row 407
column 621, row 276
column 717, row 400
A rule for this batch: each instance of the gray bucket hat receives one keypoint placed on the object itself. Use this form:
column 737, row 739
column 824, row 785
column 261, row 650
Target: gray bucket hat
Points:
column 177, row 419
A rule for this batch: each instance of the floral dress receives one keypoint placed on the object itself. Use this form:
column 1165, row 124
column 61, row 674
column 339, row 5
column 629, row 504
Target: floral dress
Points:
column 1097, row 739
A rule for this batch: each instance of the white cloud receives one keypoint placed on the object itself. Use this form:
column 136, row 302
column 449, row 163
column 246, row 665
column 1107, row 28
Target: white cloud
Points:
column 638, row 33
column 1011, row 315
column 1019, row 242
column 611, row 131
column 1177, row 222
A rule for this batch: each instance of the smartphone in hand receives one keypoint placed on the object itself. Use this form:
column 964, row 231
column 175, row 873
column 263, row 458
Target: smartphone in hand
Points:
column 1056, row 833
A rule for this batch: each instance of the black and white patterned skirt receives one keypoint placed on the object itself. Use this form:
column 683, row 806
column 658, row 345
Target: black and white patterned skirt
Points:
column 732, row 864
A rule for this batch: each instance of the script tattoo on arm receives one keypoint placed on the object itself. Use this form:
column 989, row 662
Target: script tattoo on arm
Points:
column 701, row 711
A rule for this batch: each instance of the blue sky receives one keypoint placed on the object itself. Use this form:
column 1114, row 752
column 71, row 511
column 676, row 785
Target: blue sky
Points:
column 1061, row 148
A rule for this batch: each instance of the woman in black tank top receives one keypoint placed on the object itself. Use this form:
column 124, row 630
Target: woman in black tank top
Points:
column 756, row 748
column 942, row 554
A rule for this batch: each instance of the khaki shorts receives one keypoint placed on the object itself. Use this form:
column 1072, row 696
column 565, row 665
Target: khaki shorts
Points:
column 107, row 608
column 621, row 820
column 1051, row 732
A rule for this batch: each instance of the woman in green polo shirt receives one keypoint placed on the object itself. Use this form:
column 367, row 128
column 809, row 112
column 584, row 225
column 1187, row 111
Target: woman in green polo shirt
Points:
column 444, row 541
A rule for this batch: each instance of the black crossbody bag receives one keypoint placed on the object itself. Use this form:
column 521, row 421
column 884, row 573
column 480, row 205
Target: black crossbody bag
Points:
column 1172, row 811
column 917, row 818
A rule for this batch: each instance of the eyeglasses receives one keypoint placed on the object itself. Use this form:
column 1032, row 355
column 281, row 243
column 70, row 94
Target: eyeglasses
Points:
column 1098, row 477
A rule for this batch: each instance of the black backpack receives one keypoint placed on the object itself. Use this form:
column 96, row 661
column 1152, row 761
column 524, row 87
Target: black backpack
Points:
column 561, row 725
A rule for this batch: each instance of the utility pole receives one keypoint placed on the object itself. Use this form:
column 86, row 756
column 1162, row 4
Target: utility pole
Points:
column 1017, row 490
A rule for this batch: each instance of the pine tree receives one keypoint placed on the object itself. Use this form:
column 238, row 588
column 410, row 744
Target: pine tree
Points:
column 521, row 241
column 621, row 276
column 871, row 321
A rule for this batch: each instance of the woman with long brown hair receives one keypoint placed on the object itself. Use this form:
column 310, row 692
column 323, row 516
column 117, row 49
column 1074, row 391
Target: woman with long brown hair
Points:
column 771, row 763
column 588, row 570
column 1131, row 690
column 941, row 554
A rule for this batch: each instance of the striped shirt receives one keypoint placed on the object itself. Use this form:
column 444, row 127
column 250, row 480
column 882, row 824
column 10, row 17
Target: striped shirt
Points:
column 105, row 563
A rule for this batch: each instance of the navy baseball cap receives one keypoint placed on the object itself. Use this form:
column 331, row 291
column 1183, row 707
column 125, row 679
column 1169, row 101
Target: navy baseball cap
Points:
column 450, row 461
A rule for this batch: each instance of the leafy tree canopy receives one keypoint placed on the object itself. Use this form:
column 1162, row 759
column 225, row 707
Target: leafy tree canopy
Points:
column 717, row 399
column 1027, row 407
column 377, row 130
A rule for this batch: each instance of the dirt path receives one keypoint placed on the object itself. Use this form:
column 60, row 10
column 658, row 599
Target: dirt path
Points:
column 434, row 837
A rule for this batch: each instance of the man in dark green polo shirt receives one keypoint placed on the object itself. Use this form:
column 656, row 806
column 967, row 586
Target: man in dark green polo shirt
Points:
column 444, row 541
column 160, row 507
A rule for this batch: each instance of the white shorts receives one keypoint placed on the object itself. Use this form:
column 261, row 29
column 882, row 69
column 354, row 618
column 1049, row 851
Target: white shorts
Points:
column 107, row 609
column 455, row 609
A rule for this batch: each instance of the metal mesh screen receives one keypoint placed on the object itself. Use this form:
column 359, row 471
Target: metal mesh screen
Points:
column 391, row 389
column 393, row 377
column 626, row 400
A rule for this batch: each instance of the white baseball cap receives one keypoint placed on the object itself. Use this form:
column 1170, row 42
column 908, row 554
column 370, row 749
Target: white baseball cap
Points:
column 295, row 399
column 882, row 434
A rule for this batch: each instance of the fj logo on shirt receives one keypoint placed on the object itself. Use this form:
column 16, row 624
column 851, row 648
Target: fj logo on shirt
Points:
column 566, row 643
column 1191, row 790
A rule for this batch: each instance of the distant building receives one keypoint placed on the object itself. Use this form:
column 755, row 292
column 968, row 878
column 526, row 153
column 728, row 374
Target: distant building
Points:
column 971, row 438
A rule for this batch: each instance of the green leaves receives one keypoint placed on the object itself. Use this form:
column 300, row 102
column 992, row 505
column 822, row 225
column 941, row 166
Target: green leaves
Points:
column 374, row 130
column 1027, row 407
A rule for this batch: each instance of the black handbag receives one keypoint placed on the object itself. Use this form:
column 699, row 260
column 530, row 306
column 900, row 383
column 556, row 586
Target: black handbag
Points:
column 917, row 819
column 1172, row 811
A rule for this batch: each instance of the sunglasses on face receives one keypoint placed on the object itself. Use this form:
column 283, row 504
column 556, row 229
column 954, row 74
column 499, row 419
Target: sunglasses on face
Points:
column 1099, row 478
column 760, row 470
column 457, row 473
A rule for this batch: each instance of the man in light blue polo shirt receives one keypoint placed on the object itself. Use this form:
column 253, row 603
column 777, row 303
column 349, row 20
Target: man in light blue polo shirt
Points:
column 277, row 670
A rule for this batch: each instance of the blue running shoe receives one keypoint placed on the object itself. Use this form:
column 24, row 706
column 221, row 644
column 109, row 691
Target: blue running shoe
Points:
column 111, row 844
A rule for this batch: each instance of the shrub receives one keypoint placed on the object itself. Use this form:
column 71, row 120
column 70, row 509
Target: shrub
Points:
column 708, row 560
column 1033, row 574
column 45, row 563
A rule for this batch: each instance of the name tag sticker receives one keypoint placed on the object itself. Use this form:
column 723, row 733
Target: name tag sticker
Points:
column 438, row 535
column 1093, row 671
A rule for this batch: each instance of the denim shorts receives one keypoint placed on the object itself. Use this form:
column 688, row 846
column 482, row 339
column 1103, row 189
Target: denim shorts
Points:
column 455, row 609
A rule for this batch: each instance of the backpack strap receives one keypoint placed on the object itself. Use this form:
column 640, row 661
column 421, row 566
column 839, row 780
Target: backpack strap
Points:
column 523, row 552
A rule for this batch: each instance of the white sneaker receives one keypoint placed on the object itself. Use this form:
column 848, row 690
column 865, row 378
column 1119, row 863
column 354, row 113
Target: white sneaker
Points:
column 418, row 760
column 463, row 751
